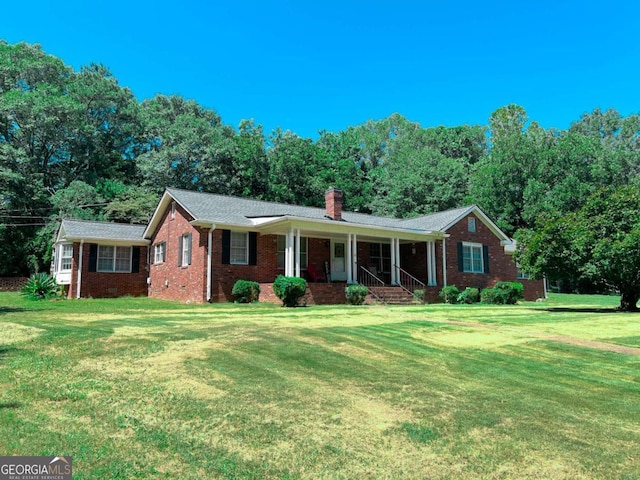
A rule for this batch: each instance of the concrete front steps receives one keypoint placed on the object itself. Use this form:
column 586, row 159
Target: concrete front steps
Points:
column 390, row 296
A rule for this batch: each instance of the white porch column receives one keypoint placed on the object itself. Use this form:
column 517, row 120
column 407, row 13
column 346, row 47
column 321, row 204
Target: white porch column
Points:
column 397, row 267
column 297, row 252
column 79, row 283
column 393, row 261
column 349, row 263
column 288, row 254
column 431, row 264
column 354, row 258
column 444, row 262
column 209, row 247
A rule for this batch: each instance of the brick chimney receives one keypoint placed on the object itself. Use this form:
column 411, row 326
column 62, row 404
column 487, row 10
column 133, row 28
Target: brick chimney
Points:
column 333, row 203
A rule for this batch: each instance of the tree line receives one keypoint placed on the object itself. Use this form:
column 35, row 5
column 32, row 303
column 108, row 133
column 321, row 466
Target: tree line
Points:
column 77, row 144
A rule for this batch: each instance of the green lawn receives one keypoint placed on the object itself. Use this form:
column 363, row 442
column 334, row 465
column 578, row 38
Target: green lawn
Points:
column 139, row 388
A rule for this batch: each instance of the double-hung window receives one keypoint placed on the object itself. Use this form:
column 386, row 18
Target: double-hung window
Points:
column 184, row 250
column 114, row 259
column 159, row 252
column 239, row 252
column 66, row 255
column 472, row 258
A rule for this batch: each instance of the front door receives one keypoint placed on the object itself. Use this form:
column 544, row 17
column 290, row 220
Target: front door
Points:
column 338, row 261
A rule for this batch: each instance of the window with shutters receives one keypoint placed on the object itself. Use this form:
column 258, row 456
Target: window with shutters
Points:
column 185, row 250
column 472, row 258
column 239, row 249
column 114, row 259
column 159, row 250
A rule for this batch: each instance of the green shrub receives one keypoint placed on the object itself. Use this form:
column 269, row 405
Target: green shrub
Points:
column 246, row 291
column 449, row 294
column 486, row 296
column 509, row 292
column 289, row 289
column 41, row 286
column 418, row 295
column 504, row 293
column 469, row 295
column 356, row 294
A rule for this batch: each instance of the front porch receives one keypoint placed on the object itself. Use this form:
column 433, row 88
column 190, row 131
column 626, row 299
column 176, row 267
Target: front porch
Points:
column 406, row 262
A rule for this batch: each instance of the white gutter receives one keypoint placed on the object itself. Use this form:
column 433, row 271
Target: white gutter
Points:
column 79, row 280
column 444, row 263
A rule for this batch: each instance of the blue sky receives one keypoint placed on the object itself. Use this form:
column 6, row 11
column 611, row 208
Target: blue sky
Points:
column 309, row 66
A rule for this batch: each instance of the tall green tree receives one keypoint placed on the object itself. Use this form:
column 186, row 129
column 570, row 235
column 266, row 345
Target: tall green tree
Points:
column 187, row 146
column 599, row 243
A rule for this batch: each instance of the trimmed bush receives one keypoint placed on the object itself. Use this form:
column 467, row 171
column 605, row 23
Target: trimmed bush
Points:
column 509, row 292
column 246, row 291
column 486, row 296
column 41, row 286
column 449, row 294
column 356, row 294
column 418, row 295
column 504, row 293
column 289, row 289
column 469, row 295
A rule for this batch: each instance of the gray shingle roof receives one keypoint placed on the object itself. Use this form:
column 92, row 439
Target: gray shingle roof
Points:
column 84, row 229
column 239, row 211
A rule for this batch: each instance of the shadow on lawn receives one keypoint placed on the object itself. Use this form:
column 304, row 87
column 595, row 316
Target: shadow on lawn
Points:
column 5, row 310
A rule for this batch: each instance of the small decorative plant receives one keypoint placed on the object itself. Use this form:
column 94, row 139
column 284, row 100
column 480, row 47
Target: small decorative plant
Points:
column 41, row 286
column 246, row 291
column 418, row 295
column 289, row 289
column 356, row 294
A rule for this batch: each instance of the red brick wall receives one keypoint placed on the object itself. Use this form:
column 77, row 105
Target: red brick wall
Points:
column 169, row 281
column 501, row 266
column 106, row 284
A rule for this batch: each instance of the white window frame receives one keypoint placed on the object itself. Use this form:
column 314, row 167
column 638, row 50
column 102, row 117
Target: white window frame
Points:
column 235, row 259
column 471, row 224
column 114, row 257
column 187, row 240
column 520, row 275
column 64, row 257
column 304, row 252
column 160, row 252
column 472, row 247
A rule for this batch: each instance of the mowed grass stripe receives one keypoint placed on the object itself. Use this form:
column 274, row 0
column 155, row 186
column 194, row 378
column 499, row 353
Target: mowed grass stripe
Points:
column 136, row 388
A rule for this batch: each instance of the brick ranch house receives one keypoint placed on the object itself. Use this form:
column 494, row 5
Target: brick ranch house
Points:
column 198, row 244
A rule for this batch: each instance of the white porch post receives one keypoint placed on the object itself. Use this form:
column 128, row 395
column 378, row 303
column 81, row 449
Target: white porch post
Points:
column 79, row 283
column 288, row 254
column 209, row 247
column 431, row 264
column 397, row 267
column 393, row 261
column 354, row 258
column 349, row 263
column 444, row 262
column 297, row 252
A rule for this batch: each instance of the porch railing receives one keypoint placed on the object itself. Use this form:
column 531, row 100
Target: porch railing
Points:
column 370, row 281
column 407, row 281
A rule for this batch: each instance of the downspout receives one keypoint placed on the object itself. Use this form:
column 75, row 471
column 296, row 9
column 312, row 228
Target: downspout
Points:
column 79, row 280
column 209, row 255
column 444, row 263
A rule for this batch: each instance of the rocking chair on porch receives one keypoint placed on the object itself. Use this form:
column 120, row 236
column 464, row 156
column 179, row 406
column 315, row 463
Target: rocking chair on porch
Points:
column 315, row 275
